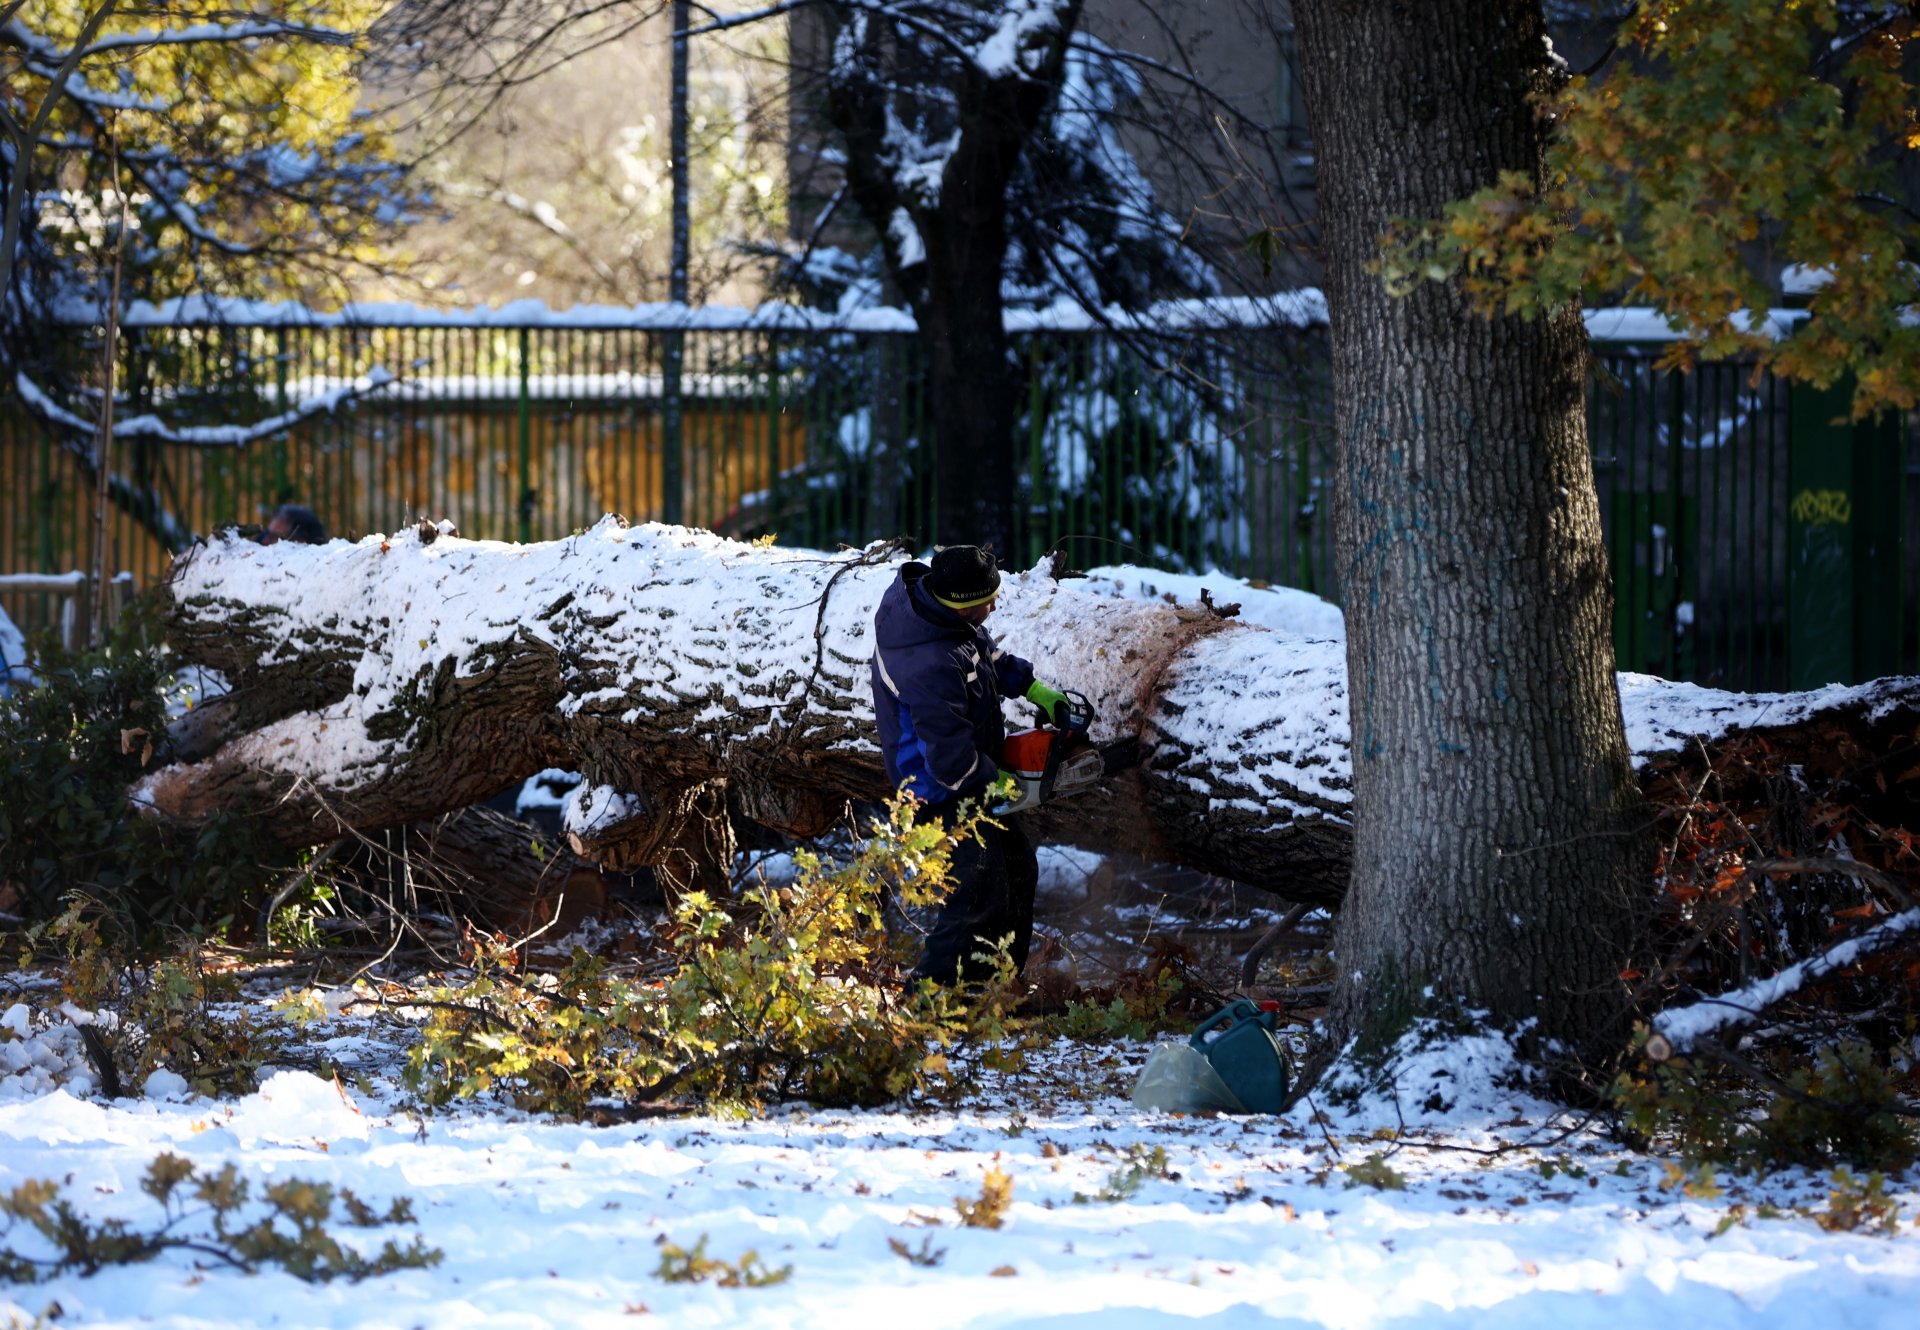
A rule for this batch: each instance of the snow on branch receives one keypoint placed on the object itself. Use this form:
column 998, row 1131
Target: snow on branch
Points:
column 224, row 32
column 1015, row 46
column 1684, row 1027
column 544, row 215
column 79, row 90
column 943, row 29
column 203, row 436
column 193, row 34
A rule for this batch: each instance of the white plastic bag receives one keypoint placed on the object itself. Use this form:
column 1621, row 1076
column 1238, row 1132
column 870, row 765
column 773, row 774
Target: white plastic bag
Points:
column 1179, row 1079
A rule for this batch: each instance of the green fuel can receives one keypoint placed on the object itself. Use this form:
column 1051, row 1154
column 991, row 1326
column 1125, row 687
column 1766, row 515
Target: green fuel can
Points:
column 1239, row 1041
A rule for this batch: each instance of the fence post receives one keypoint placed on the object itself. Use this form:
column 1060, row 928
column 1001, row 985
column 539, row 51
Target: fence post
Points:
column 673, row 408
column 526, row 440
column 672, row 419
column 1879, row 596
column 1038, row 509
column 282, row 478
column 76, row 616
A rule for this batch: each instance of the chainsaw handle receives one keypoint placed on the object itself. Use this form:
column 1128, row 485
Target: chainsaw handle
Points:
column 1077, row 707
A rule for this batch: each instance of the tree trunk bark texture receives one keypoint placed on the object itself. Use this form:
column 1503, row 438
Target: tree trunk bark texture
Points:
column 1496, row 857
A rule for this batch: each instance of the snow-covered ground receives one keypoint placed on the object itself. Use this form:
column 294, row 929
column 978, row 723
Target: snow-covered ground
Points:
column 1511, row 1214
column 1508, row 1212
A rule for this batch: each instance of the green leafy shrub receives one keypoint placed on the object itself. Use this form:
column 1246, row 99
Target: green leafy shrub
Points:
column 1853, row 1204
column 1843, row 1107
column 678, row 1265
column 1374, row 1171
column 1138, row 1010
column 74, row 743
column 160, row 1012
column 291, row 1234
column 797, row 997
column 1142, row 1166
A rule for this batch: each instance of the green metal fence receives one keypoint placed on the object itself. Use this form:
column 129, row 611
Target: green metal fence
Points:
column 1756, row 543
column 1759, row 538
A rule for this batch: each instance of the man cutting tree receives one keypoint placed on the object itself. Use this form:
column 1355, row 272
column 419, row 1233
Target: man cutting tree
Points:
column 938, row 679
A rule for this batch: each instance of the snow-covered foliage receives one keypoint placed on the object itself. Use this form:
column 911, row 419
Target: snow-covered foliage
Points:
column 238, row 145
column 1086, row 231
column 921, row 97
column 1146, row 460
column 1086, row 224
column 14, row 668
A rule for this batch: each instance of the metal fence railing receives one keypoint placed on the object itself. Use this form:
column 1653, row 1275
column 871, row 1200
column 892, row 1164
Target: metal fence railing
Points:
column 1205, row 447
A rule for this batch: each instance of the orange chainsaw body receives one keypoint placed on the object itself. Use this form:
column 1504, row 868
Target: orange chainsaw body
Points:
column 1047, row 762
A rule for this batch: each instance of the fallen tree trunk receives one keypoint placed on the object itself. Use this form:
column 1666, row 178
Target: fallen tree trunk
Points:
column 380, row 684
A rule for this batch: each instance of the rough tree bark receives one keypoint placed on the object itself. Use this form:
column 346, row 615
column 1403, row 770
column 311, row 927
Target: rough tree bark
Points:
column 383, row 684
column 1496, row 863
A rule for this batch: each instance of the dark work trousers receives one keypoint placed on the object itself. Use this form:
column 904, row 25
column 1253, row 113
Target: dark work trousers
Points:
column 994, row 880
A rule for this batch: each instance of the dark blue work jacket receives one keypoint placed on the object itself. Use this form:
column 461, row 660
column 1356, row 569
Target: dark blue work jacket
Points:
column 937, row 685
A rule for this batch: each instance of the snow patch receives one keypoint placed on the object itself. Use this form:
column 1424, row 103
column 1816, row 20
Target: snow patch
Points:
column 546, row 790
column 1252, row 1223
column 299, row 1108
column 42, row 1055
column 1009, row 48
column 14, row 667
column 591, row 808
column 1064, row 870
column 1430, row 1078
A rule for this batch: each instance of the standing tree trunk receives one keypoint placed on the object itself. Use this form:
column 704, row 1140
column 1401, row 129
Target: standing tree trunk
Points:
column 1496, row 858
column 970, row 380
column 933, row 132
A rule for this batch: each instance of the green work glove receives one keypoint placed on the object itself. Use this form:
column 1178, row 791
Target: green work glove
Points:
column 1051, row 701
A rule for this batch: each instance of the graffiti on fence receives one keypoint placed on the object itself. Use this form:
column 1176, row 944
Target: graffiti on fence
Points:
column 1822, row 508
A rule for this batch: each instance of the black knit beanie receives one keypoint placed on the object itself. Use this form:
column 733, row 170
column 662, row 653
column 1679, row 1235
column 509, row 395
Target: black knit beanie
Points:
column 963, row 576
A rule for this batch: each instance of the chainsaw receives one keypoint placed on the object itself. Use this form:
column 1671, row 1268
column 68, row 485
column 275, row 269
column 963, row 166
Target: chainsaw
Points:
column 1052, row 760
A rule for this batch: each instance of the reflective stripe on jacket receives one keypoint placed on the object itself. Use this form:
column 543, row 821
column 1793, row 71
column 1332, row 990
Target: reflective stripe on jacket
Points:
column 937, row 685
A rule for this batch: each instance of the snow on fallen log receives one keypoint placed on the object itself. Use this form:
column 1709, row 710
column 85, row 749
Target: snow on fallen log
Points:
column 1684, row 1027
column 379, row 682
column 1663, row 716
